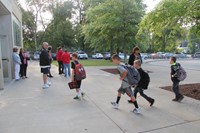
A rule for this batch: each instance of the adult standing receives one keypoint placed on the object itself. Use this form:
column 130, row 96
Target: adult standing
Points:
column 45, row 64
column 24, row 63
column 59, row 59
column 135, row 56
column 51, row 59
column 17, row 63
column 66, row 62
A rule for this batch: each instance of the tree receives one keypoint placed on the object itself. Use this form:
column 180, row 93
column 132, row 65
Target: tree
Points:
column 112, row 24
column 28, row 29
column 168, row 22
column 37, row 7
column 60, row 30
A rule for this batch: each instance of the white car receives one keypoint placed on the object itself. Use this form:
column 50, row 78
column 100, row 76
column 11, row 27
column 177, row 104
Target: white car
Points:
column 121, row 55
column 97, row 56
column 82, row 55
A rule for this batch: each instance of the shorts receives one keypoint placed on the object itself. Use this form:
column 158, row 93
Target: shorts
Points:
column 45, row 70
column 127, row 90
column 79, row 84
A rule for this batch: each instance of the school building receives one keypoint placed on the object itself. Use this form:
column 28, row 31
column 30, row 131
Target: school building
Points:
column 10, row 36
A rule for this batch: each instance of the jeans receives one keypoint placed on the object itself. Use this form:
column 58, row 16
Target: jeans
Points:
column 141, row 91
column 67, row 70
column 60, row 67
column 175, row 88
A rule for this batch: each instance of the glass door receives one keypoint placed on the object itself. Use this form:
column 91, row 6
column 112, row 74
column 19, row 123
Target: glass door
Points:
column 5, row 55
column 1, row 70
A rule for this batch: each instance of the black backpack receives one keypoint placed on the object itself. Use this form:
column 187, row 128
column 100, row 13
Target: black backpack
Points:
column 145, row 80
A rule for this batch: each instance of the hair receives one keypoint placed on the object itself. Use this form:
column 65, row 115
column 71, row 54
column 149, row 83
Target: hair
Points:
column 50, row 48
column 138, row 62
column 135, row 49
column 173, row 59
column 66, row 50
column 59, row 48
column 21, row 50
column 44, row 43
column 75, row 55
column 15, row 49
column 115, row 57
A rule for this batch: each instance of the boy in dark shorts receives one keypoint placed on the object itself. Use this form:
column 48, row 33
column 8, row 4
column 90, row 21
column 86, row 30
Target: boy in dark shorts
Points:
column 125, row 87
column 45, row 64
column 79, row 92
column 175, row 87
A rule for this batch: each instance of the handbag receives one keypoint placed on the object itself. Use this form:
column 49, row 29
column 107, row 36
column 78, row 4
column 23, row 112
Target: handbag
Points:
column 73, row 85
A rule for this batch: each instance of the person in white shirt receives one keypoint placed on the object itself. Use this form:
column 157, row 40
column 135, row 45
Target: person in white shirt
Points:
column 17, row 63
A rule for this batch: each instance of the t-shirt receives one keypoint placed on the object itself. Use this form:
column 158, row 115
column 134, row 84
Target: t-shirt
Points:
column 73, row 64
column 125, row 83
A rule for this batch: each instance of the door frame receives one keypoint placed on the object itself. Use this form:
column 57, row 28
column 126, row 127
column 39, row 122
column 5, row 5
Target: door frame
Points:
column 8, row 59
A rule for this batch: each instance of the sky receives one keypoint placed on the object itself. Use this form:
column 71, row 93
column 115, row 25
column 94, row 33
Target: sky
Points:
column 47, row 16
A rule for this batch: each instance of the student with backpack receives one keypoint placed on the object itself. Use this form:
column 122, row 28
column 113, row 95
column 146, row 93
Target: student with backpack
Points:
column 177, row 74
column 78, row 74
column 143, row 83
column 125, row 76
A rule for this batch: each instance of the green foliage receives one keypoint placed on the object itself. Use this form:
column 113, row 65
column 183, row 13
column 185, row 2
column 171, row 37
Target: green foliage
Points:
column 167, row 24
column 60, row 30
column 113, row 24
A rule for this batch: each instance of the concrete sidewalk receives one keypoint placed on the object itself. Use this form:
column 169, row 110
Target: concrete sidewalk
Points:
column 26, row 108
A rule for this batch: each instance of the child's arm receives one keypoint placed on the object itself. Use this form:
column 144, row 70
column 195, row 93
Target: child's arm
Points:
column 123, row 76
column 72, row 75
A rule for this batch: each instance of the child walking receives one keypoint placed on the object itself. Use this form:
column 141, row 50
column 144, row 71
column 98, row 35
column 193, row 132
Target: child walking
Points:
column 174, row 77
column 125, row 86
column 74, row 63
column 143, row 83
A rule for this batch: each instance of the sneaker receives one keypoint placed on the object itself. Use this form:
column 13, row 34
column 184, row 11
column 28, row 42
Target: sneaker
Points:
column 175, row 100
column 49, row 83
column 45, row 86
column 115, row 105
column 77, row 98
column 82, row 94
column 181, row 98
column 152, row 102
column 137, row 110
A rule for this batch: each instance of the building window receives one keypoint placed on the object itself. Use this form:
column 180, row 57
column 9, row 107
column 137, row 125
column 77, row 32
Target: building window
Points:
column 17, row 34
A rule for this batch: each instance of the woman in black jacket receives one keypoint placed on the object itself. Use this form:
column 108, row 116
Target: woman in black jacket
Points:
column 135, row 56
column 24, row 65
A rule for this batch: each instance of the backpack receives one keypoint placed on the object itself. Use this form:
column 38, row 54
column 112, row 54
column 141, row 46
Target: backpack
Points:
column 181, row 74
column 79, row 71
column 133, row 75
column 145, row 80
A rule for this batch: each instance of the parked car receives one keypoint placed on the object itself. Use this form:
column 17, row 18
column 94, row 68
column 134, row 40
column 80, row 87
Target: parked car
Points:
column 70, row 54
column 181, row 55
column 145, row 56
column 196, row 55
column 168, row 55
column 82, row 55
column 36, row 55
column 97, row 56
column 158, row 55
column 121, row 55
column 107, row 55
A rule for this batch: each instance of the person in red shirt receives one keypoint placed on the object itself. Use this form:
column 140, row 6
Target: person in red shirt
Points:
column 59, row 59
column 66, row 62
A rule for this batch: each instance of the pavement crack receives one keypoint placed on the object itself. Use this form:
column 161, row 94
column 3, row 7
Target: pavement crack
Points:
column 182, row 123
column 124, row 131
